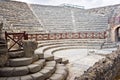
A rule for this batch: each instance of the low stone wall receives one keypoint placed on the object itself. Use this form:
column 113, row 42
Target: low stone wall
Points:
column 105, row 69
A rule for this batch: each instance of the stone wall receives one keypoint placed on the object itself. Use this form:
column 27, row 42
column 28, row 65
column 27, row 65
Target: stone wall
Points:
column 113, row 13
column 3, row 48
column 106, row 69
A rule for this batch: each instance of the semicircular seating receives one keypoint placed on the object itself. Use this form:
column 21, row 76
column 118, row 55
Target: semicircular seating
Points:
column 33, row 68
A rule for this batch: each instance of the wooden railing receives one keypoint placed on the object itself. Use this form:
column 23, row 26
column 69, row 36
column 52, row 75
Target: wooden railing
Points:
column 58, row 36
column 16, row 38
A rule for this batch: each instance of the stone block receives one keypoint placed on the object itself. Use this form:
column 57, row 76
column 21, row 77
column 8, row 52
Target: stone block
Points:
column 38, row 76
column 3, row 59
column 57, row 77
column 20, row 62
column 28, row 77
column 13, row 78
column 6, row 72
column 29, row 47
column 34, row 68
column 20, row 71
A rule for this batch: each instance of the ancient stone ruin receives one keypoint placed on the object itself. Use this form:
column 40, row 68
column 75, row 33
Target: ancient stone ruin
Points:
column 49, row 29
column 3, row 48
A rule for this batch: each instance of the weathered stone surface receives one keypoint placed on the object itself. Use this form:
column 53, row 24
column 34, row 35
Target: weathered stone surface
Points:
column 20, row 71
column 35, row 57
column 52, row 69
column 28, row 77
column 3, row 48
column 105, row 69
column 6, row 72
column 47, row 73
column 13, row 78
column 40, row 62
column 38, row 76
column 20, row 61
column 58, row 60
column 50, row 63
column 34, row 68
column 41, row 55
column 16, row 54
column 3, row 78
column 3, row 59
column 65, row 61
column 49, row 57
column 29, row 47
column 57, row 77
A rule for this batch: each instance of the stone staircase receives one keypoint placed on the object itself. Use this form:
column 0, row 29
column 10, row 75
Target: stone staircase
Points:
column 36, row 67
column 109, row 45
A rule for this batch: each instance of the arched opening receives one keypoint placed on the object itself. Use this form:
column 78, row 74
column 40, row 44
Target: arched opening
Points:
column 117, row 34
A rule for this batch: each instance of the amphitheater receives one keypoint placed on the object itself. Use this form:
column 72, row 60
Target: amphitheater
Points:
column 66, row 42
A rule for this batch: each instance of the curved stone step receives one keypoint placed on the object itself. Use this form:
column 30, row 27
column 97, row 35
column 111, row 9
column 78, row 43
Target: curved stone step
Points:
column 41, row 55
column 57, row 77
column 20, row 71
column 20, row 62
column 48, row 57
column 3, row 78
column 41, row 62
column 13, row 78
column 35, row 57
column 28, row 77
column 57, row 59
column 60, row 73
column 43, row 74
column 16, row 54
column 65, row 61
column 49, row 69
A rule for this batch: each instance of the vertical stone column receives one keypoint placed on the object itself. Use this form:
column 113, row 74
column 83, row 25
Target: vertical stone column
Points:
column 3, row 48
column 29, row 47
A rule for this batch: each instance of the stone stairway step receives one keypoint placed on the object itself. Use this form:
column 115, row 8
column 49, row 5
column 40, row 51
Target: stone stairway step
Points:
column 50, row 63
column 6, row 71
column 35, row 57
column 41, row 62
column 60, row 73
column 16, row 54
column 56, row 77
column 38, row 76
column 20, row 71
column 3, row 45
column 3, row 78
column 13, row 78
column 20, row 62
column 4, row 50
column 41, row 55
column 49, row 69
column 62, row 66
column 26, row 77
column 57, row 59
column 48, row 57
column 65, row 61
column 2, row 41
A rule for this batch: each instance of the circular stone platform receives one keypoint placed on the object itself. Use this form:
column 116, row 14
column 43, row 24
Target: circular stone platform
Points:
column 81, row 59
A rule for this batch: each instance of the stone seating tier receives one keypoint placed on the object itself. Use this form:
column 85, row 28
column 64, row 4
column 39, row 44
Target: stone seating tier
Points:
column 68, row 19
column 18, row 13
